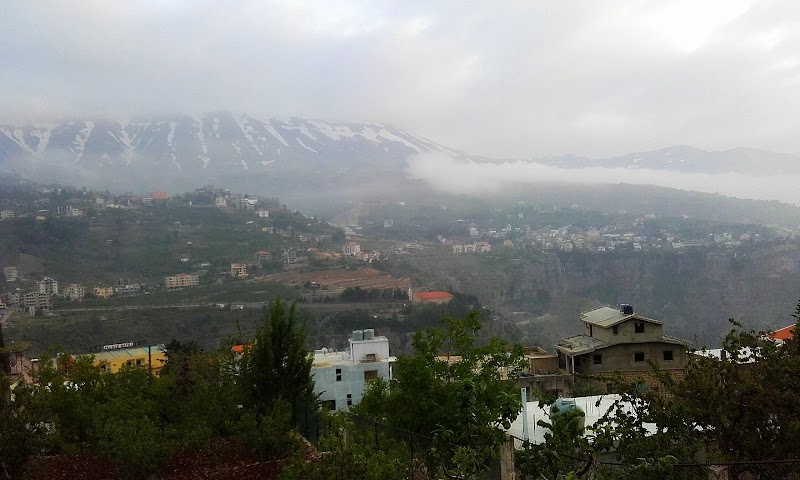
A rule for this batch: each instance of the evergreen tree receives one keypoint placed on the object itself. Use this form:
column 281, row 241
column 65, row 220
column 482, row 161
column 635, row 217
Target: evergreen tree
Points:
column 277, row 365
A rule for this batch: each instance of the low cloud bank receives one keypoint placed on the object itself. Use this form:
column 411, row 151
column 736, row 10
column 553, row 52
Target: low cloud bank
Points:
column 458, row 176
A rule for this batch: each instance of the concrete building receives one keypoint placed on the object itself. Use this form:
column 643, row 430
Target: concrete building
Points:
column 112, row 360
column 181, row 280
column 36, row 301
column 262, row 256
column 220, row 202
column 543, row 375
column 340, row 378
column 618, row 341
column 238, row 270
column 6, row 214
column 11, row 274
column 74, row 291
column 128, row 290
column 351, row 248
column 103, row 292
column 48, row 286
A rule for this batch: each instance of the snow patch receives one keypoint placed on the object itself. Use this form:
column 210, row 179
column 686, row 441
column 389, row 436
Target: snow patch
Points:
column 370, row 134
column 306, row 146
column 303, row 129
column 275, row 134
column 247, row 130
column 79, row 144
column 394, row 138
column 171, row 143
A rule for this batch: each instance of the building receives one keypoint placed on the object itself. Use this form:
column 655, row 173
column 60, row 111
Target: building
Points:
column 430, row 297
column 289, row 257
column 220, row 202
column 36, row 301
column 238, row 270
column 48, row 286
column 262, row 213
column 351, row 248
column 782, row 334
column 103, row 292
column 128, row 290
column 543, row 375
column 262, row 256
column 6, row 214
column 618, row 341
column 340, row 378
column 11, row 274
column 181, row 280
column 74, row 291
column 112, row 358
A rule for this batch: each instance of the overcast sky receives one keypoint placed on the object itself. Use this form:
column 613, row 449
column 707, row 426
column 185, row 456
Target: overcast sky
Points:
column 499, row 78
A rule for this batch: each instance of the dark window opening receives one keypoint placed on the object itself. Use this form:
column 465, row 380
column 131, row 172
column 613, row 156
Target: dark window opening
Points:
column 638, row 327
column 668, row 355
column 615, row 329
column 370, row 375
column 329, row 404
column 349, row 399
column 638, row 357
column 338, row 374
column 598, row 359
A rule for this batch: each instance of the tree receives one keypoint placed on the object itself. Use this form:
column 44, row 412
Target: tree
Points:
column 277, row 364
column 453, row 396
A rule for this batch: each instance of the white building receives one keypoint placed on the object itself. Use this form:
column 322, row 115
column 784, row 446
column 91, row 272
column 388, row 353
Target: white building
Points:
column 11, row 274
column 74, row 291
column 340, row 378
column 48, row 286
column 351, row 248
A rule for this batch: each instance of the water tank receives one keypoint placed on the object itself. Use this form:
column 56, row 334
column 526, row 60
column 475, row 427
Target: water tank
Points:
column 626, row 309
column 358, row 335
column 369, row 334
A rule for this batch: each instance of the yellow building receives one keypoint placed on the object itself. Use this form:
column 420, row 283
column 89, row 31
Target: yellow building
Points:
column 103, row 292
column 113, row 360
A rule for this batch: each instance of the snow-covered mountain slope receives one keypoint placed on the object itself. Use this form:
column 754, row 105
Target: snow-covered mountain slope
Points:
column 204, row 147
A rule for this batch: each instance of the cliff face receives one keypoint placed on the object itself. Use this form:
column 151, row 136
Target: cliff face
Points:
column 694, row 292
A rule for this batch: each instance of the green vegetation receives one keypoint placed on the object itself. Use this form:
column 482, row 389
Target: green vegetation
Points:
column 139, row 420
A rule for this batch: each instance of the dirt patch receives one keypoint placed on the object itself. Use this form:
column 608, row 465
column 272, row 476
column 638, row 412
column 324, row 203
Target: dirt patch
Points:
column 335, row 281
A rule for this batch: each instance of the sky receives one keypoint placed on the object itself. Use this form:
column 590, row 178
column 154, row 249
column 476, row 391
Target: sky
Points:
column 507, row 79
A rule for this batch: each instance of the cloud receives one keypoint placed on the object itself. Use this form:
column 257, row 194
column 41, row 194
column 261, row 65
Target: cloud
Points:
column 507, row 79
column 452, row 175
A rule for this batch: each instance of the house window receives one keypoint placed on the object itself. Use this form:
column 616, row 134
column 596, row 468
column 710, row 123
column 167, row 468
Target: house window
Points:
column 668, row 355
column 598, row 359
column 638, row 327
column 349, row 399
column 638, row 357
column 139, row 361
column 338, row 374
column 615, row 329
column 329, row 404
column 370, row 375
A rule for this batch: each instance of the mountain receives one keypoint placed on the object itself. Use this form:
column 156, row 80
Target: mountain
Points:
column 686, row 159
column 172, row 152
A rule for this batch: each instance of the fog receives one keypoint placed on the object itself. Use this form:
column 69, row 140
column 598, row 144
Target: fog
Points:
column 450, row 175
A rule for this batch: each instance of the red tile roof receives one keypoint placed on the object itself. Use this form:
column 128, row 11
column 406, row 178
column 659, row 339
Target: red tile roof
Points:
column 432, row 295
column 784, row 333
